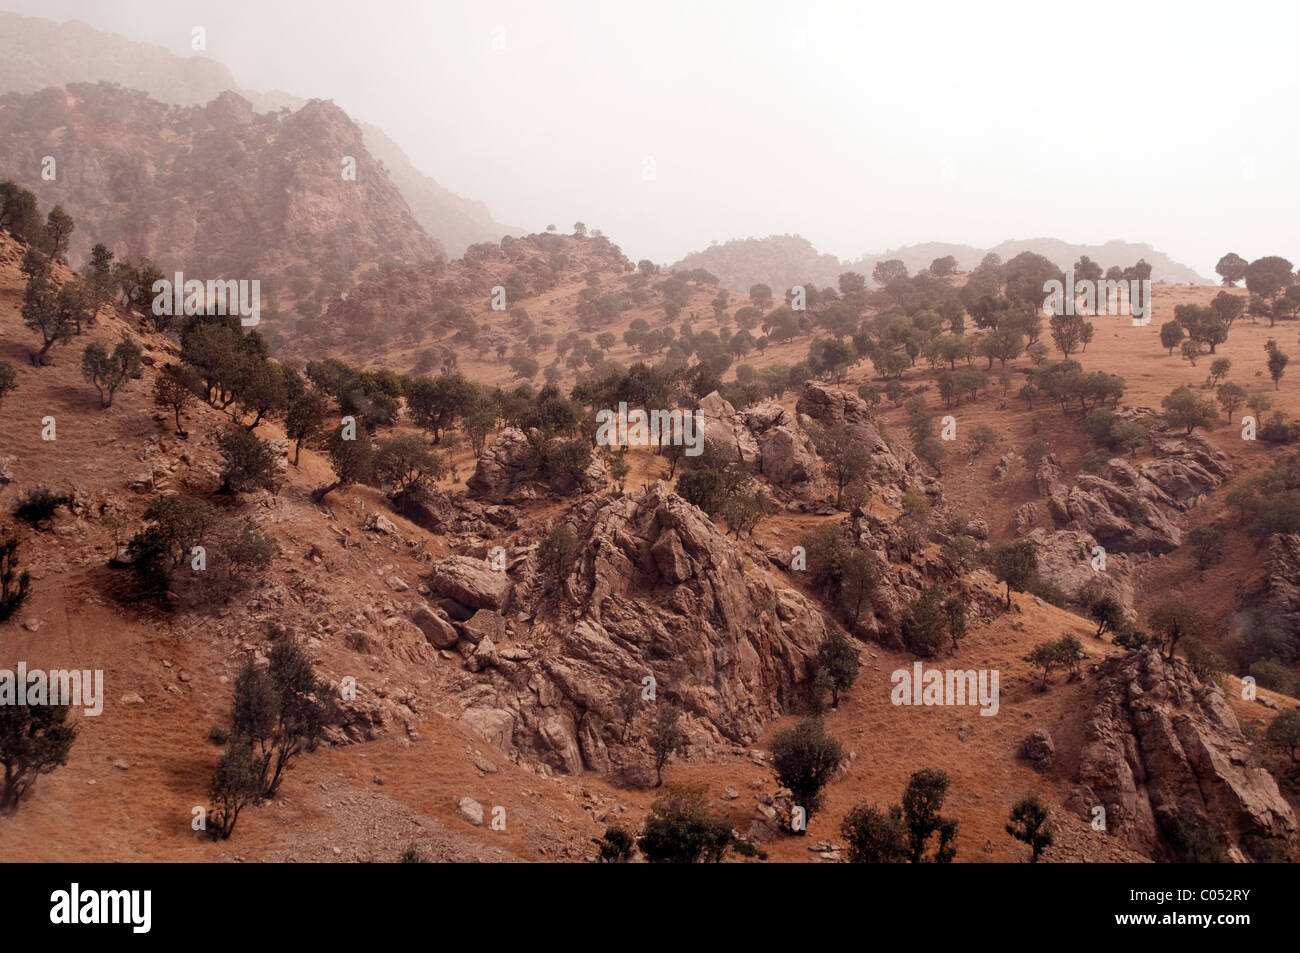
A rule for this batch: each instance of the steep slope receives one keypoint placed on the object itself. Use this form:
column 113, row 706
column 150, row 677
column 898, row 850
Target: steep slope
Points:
column 213, row 190
column 36, row 53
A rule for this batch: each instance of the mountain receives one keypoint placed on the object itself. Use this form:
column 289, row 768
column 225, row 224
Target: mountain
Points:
column 215, row 190
column 36, row 53
column 784, row 260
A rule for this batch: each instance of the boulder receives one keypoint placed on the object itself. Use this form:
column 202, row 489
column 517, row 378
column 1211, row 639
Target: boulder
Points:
column 1039, row 749
column 471, row 582
column 484, row 624
column 653, row 589
column 468, row 809
column 437, row 629
column 894, row 470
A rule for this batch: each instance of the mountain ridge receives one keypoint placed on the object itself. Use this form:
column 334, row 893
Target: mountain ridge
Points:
column 37, row 53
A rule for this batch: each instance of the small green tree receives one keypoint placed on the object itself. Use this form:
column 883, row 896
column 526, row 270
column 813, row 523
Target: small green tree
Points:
column 845, row 454
column 1029, row 824
column 351, row 455
column 1207, row 546
column 34, row 740
column 1173, row 620
column 616, row 845
column 107, row 371
column 805, row 759
column 1016, row 565
column 1184, row 409
column 681, row 829
column 236, row 784
column 8, row 379
column 922, row 801
column 667, row 738
column 1230, row 397
column 1277, row 362
column 839, row 660
column 1045, row 657
column 250, row 462
column 1283, row 734
column 1108, row 613
column 175, row 390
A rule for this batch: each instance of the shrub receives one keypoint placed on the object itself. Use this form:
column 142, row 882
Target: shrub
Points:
column 666, row 738
column 982, row 438
column 681, row 829
column 1016, row 565
column 1207, row 546
column 13, row 584
column 616, row 845
column 922, row 801
column 1035, row 450
column 838, row 659
column 250, row 462
column 925, row 626
column 38, row 505
column 875, row 836
column 236, row 783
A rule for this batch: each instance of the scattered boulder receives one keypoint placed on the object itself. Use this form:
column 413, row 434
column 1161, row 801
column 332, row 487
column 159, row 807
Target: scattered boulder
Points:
column 1039, row 749
column 471, row 582
column 437, row 629
column 468, row 809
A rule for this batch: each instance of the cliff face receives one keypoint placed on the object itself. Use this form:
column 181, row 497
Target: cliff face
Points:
column 215, row 190
column 1166, row 759
column 36, row 54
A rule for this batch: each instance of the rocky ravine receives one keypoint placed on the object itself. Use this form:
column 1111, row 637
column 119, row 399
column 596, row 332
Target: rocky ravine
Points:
column 1163, row 752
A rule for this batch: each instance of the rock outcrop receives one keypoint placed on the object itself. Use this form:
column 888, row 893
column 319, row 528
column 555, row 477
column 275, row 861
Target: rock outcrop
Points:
column 1165, row 756
column 509, row 471
column 1132, row 509
column 655, row 596
column 894, row 470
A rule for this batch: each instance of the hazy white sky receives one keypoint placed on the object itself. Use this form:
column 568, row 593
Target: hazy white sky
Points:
column 860, row 125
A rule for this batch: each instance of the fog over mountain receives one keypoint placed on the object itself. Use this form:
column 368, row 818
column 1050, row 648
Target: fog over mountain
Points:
column 830, row 124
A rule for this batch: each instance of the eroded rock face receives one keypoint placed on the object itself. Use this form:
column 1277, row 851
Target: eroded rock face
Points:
column 654, row 590
column 1164, row 752
column 1282, row 564
column 508, row 471
column 726, row 429
column 1066, row 557
column 894, row 469
column 1132, row 509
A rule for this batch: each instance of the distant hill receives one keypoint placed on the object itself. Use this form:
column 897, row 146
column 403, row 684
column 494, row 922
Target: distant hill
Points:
column 778, row 260
column 1064, row 254
column 784, row 260
column 36, row 53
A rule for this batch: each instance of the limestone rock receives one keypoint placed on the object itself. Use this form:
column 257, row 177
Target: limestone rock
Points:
column 1164, row 754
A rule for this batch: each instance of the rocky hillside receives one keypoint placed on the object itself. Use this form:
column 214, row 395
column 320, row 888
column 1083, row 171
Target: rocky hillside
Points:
column 213, row 190
column 36, row 53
